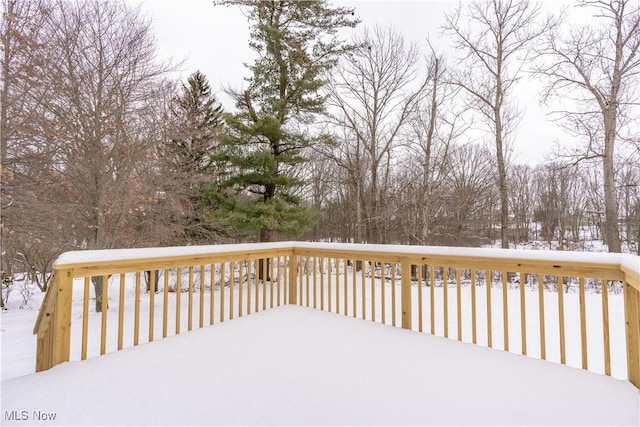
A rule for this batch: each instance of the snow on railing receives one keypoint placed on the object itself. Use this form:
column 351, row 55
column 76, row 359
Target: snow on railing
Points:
column 580, row 309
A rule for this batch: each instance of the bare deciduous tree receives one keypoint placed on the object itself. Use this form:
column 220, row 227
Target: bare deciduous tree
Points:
column 20, row 35
column 521, row 201
column 372, row 93
column 433, row 125
column 494, row 37
column 596, row 66
column 85, row 182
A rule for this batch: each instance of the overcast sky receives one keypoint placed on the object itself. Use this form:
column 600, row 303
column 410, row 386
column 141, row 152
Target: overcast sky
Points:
column 213, row 39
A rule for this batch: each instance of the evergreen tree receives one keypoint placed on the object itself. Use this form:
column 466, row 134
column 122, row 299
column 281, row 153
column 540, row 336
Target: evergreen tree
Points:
column 197, row 120
column 198, row 123
column 265, row 141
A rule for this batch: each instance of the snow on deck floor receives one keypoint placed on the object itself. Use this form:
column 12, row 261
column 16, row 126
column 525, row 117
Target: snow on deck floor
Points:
column 297, row 366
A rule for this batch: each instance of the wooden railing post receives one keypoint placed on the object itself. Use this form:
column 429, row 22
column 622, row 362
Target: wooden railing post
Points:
column 405, row 290
column 293, row 279
column 42, row 328
column 632, row 326
column 61, row 321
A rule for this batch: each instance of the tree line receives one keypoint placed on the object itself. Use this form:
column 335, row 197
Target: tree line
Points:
column 356, row 138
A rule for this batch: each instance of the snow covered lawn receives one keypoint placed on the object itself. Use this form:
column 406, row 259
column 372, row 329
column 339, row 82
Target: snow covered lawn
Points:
column 298, row 366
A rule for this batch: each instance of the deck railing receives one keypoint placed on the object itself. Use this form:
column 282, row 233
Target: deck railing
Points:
column 548, row 305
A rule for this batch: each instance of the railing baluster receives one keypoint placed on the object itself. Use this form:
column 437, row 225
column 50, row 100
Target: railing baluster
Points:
column 459, row 302
column 121, row 312
column 152, row 301
column 505, row 309
column 248, row 287
column 321, row 283
column 105, row 299
column 255, row 269
column 420, row 297
column 583, row 324
column 264, row 283
column 222, row 288
column 474, row 332
column 393, row 294
column 315, row 283
column 251, row 269
column 85, row 319
column 543, row 347
column 190, row 307
column 271, row 279
column 212, row 288
column 383, row 290
column 354, row 297
column 432, row 302
column 286, row 277
column 232, row 279
column 178, row 297
column 330, row 300
column 241, row 270
column 523, row 312
column 373, row 289
column 279, row 281
column 346, row 287
column 563, row 350
column 445, row 297
column 165, row 303
column 136, row 317
column 241, row 288
column 337, row 285
column 248, row 268
column 605, row 327
column 364, row 291
column 255, row 274
column 405, row 294
column 302, row 267
column 488, row 279
column 201, row 313
column 307, row 286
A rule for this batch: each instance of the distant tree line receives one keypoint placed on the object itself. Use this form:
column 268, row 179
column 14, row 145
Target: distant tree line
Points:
column 358, row 140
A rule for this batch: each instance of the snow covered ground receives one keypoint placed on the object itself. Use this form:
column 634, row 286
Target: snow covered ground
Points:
column 297, row 366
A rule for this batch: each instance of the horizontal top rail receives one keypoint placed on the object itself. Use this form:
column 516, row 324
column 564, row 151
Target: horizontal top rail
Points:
column 93, row 262
column 593, row 264
column 603, row 265
column 551, row 262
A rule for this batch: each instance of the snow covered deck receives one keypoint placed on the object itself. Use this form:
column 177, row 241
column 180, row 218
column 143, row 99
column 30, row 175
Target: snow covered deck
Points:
column 293, row 365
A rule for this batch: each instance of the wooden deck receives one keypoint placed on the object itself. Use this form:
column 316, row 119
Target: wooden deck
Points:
column 293, row 365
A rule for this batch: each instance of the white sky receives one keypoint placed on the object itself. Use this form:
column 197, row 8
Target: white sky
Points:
column 213, row 39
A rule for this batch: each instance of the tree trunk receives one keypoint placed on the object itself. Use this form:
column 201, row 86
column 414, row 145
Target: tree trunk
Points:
column 502, row 185
column 610, row 203
column 6, row 77
column 98, row 287
column 425, row 197
column 4, row 129
column 265, row 236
